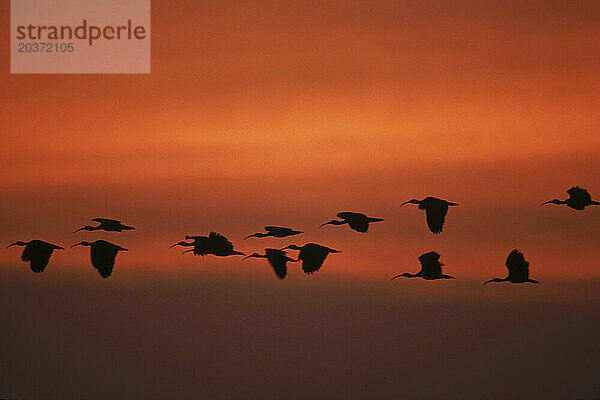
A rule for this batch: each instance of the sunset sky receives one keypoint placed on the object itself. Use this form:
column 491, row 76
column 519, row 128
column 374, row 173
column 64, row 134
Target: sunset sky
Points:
column 286, row 113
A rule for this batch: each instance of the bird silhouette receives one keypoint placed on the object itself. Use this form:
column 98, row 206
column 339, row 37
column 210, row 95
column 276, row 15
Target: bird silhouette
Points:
column 518, row 269
column 37, row 252
column 106, row 224
column 357, row 221
column 435, row 210
column 579, row 199
column 275, row 231
column 431, row 268
column 277, row 258
column 312, row 255
column 103, row 255
column 214, row 243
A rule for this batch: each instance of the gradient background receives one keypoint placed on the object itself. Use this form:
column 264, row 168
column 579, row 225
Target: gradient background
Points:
column 286, row 113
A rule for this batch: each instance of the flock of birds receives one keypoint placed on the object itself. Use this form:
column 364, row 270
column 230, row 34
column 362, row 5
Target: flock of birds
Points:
column 312, row 255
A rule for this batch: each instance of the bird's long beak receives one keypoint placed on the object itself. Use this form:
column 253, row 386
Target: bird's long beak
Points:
column 453, row 204
column 327, row 223
column 249, row 236
column 177, row 244
column 406, row 202
column 486, row 282
column 12, row 244
column 546, row 202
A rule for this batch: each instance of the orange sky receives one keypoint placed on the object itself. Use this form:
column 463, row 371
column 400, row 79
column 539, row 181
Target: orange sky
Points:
column 288, row 113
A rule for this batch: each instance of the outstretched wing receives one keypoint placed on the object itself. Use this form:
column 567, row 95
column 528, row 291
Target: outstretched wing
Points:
column 518, row 268
column 103, row 259
column 430, row 264
column 312, row 256
column 38, row 256
column 278, row 260
column 350, row 215
column 106, row 221
column 580, row 195
column 218, row 243
column 357, row 221
column 312, row 263
column 276, row 229
column 359, row 224
column 436, row 216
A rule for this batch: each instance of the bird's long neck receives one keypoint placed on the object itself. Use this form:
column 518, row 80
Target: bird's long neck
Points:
column 184, row 244
column 258, row 235
column 407, row 275
column 335, row 222
column 413, row 201
column 496, row 280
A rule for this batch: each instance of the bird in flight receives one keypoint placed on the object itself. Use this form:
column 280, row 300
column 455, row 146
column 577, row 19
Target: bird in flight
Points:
column 37, row 252
column 214, row 243
column 275, row 231
column 312, row 255
column 518, row 269
column 579, row 199
column 103, row 255
column 435, row 210
column 106, row 224
column 277, row 258
column 431, row 268
column 357, row 221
